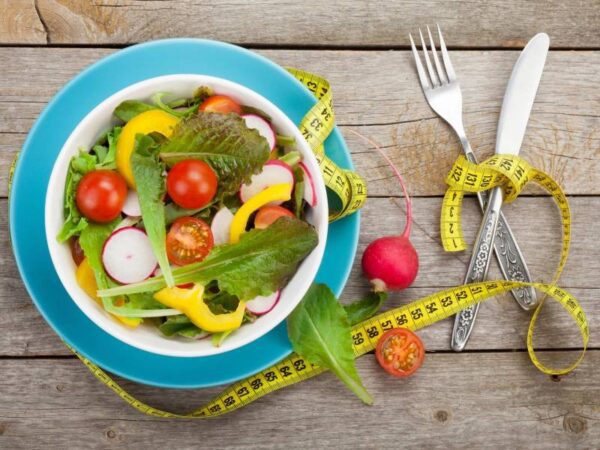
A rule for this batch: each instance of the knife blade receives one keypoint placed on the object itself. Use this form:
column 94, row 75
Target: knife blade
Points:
column 514, row 115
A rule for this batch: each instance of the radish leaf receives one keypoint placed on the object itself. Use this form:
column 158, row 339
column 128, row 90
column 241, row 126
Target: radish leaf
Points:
column 319, row 331
column 234, row 151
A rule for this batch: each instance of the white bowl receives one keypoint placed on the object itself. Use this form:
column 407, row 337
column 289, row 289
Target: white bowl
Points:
column 148, row 337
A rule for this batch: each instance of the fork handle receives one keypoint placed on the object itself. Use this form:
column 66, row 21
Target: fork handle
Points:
column 509, row 256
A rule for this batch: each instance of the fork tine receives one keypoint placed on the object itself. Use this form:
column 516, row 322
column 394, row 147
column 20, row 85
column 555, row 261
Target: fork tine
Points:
column 434, row 79
column 446, row 57
column 440, row 72
column 420, row 69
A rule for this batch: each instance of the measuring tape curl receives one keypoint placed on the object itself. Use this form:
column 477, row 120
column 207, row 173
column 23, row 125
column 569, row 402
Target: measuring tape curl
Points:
column 316, row 126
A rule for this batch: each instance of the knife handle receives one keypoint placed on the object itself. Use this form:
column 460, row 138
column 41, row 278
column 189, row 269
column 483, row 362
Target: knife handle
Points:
column 478, row 267
column 509, row 256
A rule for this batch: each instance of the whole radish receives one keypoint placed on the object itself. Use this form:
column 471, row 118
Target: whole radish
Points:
column 391, row 262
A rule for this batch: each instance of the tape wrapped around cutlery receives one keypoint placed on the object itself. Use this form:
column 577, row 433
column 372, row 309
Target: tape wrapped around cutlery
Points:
column 510, row 172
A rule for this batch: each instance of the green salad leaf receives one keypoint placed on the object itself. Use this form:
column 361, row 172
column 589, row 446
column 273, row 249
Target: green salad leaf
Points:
column 361, row 310
column 299, row 193
column 234, row 151
column 150, row 184
column 319, row 331
column 137, row 305
column 101, row 157
column 258, row 264
column 128, row 109
column 180, row 325
column 92, row 241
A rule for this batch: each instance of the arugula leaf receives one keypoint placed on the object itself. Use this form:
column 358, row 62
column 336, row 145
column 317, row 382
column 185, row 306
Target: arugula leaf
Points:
column 319, row 331
column 150, row 183
column 180, row 325
column 258, row 264
column 361, row 310
column 128, row 109
column 234, row 151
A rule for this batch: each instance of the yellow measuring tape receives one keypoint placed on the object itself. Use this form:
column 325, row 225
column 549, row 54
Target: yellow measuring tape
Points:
column 316, row 126
column 510, row 172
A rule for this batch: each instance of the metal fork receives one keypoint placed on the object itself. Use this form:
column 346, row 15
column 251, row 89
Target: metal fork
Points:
column 443, row 94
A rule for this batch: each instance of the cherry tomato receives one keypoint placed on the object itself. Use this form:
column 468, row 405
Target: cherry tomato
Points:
column 269, row 214
column 220, row 104
column 189, row 240
column 76, row 251
column 191, row 183
column 100, row 195
column 400, row 352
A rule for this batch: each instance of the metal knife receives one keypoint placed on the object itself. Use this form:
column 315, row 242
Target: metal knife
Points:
column 514, row 115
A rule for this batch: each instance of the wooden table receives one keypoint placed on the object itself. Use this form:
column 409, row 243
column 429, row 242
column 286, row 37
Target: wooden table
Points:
column 489, row 396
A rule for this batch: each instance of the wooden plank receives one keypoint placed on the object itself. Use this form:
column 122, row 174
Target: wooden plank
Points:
column 483, row 401
column 20, row 23
column 341, row 23
column 501, row 323
column 377, row 93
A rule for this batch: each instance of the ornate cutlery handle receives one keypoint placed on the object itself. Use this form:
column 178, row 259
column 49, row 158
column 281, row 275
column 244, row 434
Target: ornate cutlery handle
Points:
column 509, row 256
column 478, row 267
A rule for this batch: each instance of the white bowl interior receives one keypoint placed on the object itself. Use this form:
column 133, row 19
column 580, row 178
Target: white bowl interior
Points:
column 148, row 337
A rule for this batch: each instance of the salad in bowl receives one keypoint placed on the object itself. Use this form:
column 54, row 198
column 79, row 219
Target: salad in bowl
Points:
column 186, row 215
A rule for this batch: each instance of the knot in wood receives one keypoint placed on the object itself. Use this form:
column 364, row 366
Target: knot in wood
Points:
column 575, row 424
column 441, row 416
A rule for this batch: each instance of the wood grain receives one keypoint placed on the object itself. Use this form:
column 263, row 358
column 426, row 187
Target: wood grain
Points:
column 344, row 23
column 377, row 93
column 501, row 323
column 20, row 23
column 482, row 401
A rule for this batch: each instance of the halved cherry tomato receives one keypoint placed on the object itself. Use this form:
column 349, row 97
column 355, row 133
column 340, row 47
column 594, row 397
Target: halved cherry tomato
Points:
column 191, row 183
column 220, row 104
column 100, row 195
column 189, row 240
column 269, row 214
column 400, row 352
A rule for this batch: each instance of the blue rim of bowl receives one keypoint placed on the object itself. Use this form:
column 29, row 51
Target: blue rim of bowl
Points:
column 354, row 219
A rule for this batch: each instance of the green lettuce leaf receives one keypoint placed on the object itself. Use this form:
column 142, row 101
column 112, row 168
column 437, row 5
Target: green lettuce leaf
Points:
column 234, row 151
column 150, row 184
column 101, row 157
column 180, row 325
column 361, row 310
column 92, row 241
column 259, row 264
column 128, row 109
column 319, row 331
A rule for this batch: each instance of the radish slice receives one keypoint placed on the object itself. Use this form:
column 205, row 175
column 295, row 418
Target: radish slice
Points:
column 127, row 222
column 220, row 226
column 274, row 172
column 131, row 207
column 262, row 126
column 127, row 256
column 262, row 305
column 310, row 194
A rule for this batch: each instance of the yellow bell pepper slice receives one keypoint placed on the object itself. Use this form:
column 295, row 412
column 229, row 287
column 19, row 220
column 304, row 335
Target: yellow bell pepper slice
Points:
column 153, row 121
column 191, row 303
column 87, row 281
column 277, row 192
